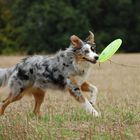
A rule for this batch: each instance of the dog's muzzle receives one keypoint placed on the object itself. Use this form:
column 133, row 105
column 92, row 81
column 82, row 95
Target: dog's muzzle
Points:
column 93, row 61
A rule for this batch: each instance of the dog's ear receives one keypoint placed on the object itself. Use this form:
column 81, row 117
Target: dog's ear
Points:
column 76, row 41
column 90, row 39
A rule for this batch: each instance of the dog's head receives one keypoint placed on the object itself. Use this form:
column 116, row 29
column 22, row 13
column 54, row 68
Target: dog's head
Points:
column 85, row 50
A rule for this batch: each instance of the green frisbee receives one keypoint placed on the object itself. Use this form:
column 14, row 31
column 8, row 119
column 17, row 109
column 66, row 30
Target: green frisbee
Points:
column 110, row 50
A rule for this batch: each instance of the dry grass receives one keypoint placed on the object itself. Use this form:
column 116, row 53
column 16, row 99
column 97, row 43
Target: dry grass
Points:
column 118, row 101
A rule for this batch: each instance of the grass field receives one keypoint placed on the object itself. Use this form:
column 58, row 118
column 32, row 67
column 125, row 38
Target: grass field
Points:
column 118, row 101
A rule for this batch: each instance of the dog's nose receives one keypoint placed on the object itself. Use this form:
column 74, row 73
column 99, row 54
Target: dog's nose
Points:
column 96, row 57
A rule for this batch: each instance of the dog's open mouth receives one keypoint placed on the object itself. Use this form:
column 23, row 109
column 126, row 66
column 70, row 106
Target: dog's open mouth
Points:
column 91, row 61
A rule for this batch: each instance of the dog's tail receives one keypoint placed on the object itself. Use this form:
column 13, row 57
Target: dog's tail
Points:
column 5, row 73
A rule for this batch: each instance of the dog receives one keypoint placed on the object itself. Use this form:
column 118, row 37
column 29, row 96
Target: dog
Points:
column 66, row 70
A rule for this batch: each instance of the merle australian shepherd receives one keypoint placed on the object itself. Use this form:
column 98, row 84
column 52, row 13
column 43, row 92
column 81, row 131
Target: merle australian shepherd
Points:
column 66, row 69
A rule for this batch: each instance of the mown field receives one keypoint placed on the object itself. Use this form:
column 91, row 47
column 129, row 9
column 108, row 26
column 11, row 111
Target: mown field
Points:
column 63, row 118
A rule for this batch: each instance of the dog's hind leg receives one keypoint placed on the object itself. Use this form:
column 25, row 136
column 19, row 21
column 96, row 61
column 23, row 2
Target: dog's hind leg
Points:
column 86, row 87
column 11, row 98
column 75, row 91
column 39, row 97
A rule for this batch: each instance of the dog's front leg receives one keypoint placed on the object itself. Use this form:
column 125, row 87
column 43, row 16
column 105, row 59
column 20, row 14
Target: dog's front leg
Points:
column 87, row 87
column 75, row 91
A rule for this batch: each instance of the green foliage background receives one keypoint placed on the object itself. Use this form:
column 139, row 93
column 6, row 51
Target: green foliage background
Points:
column 44, row 26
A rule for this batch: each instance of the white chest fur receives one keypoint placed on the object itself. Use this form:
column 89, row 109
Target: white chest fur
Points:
column 82, row 70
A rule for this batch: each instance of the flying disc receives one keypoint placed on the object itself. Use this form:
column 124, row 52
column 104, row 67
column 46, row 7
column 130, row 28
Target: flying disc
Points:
column 110, row 50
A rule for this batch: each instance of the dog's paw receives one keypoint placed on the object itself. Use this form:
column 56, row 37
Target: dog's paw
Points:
column 89, row 108
column 92, row 111
column 38, row 114
column 95, row 113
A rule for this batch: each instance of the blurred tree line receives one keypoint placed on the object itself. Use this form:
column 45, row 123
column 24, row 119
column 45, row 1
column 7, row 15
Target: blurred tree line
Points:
column 43, row 26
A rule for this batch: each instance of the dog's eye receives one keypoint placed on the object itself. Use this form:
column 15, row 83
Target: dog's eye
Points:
column 86, row 51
